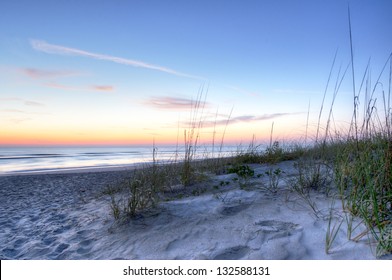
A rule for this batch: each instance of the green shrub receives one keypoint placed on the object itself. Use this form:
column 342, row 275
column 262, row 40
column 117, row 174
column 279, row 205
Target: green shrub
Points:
column 242, row 171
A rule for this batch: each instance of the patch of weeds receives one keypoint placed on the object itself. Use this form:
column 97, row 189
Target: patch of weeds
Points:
column 115, row 207
column 274, row 178
column 313, row 175
column 224, row 183
column 242, row 171
column 137, row 193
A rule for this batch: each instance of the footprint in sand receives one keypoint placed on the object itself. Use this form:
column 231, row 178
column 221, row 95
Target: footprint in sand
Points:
column 85, row 247
column 233, row 210
column 49, row 240
column 278, row 240
column 276, row 226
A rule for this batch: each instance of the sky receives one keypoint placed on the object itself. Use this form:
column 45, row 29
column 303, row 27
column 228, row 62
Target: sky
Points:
column 125, row 72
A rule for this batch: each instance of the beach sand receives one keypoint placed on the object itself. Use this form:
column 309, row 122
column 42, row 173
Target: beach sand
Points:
column 66, row 216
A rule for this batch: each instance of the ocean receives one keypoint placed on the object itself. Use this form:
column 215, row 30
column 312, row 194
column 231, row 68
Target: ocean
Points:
column 14, row 160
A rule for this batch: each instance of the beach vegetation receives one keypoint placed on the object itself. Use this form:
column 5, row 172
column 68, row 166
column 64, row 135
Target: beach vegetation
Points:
column 115, row 207
column 242, row 171
column 274, row 176
column 352, row 166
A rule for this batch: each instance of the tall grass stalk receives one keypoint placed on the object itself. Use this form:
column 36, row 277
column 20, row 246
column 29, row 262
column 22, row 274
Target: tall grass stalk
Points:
column 332, row 230
column 192, row 136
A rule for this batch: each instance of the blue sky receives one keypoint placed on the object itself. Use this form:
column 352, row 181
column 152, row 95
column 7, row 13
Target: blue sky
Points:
column 119, row 72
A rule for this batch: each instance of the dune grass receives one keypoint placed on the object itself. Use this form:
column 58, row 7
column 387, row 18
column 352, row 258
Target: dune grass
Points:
column 355, row 168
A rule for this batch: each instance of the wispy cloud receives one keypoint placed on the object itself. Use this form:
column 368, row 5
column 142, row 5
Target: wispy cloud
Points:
column 243, row 119
column 33, row 103
column 14, row 111
column 102, row 88
column 62, row 50
column 56, row 85
column 24, row 101
column 173, row 103
column 36, row 73
column 251, row 118
column 16, row 101
column 18, row 111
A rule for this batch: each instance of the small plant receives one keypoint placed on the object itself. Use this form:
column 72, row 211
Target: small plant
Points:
column 313, row 175
column 134, row 198
column 115, row 207
column 141, row 192
column 274, row 178
column 242, row 171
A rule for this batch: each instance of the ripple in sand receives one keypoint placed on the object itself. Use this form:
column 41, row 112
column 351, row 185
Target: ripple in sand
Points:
column 60, row 248
column 233, row 253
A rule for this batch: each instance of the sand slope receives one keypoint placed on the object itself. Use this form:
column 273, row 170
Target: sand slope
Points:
column 64, row 216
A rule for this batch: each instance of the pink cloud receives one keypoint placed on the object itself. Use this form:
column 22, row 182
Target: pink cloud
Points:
column 90, row 88
column 102, row 88
column 174, row 103
column 35, row 73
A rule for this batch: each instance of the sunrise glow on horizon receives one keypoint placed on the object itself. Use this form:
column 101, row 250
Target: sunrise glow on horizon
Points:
column 130, row 72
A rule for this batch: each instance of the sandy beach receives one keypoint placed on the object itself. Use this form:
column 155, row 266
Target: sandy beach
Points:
column 67, row 216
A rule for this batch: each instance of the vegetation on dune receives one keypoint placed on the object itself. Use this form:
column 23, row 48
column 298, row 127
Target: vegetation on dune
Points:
column 354, row 167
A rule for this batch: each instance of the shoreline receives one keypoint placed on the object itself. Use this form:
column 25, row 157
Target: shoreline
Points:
column 40, row 160
column 75, row 170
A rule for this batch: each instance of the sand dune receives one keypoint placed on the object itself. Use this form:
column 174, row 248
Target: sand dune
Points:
column 65, row 216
